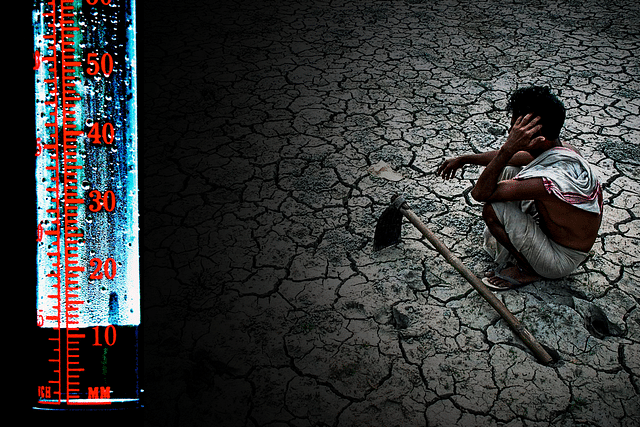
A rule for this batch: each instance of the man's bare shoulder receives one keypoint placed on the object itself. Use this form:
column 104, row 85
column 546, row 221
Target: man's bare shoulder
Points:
column 571, row 147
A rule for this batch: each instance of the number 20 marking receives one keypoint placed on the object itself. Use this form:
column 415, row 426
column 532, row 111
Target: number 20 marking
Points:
column 108, row 269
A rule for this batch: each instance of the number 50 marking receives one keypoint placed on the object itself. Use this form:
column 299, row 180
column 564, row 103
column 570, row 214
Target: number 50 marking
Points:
column 105, row 65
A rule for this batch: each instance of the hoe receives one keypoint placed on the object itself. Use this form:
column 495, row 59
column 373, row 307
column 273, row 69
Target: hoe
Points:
column 387, row 233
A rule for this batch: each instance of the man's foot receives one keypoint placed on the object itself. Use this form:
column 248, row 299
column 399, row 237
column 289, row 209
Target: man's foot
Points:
column 509, row 278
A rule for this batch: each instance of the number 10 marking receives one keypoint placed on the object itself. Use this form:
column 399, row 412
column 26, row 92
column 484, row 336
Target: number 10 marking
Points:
column 109, row 338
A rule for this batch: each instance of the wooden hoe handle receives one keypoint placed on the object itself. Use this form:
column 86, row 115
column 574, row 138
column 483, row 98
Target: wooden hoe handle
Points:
column 521, row 331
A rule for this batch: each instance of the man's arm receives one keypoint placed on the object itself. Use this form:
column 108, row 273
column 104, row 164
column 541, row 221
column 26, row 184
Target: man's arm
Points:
column 449, row 167
column 520, row 158
column 488, row 180
column 520, row 138
column 512, row 189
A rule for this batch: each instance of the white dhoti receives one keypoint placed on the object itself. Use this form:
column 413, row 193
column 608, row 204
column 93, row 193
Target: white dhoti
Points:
column 570, row 178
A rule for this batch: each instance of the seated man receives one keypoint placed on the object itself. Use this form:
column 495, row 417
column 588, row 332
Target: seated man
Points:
column 542, row 200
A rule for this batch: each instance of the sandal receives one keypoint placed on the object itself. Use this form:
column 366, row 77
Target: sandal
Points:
column 511, row 283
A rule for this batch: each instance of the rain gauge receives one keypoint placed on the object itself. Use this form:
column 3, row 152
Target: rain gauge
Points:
column 86, row 170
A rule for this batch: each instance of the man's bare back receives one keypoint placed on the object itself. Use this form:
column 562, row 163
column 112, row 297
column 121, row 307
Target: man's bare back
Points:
column 568, row 225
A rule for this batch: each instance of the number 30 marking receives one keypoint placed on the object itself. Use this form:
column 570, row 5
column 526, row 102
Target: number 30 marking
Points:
column 106, row 201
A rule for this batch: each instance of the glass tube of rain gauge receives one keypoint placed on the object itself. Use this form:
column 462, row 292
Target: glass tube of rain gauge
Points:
column 86, row 167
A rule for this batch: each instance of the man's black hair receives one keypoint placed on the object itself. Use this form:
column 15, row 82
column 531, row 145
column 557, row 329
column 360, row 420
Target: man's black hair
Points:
column 541, row 102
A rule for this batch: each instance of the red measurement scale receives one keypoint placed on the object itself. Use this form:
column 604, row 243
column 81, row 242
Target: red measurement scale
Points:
column 88, row 288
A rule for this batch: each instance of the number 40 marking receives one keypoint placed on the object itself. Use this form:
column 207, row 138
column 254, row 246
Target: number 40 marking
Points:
column 101, row 136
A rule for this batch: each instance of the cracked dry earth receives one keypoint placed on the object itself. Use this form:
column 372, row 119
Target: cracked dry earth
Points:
column 275, row 134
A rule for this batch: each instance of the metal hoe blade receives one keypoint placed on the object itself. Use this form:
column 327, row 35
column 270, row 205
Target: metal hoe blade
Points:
column 389, row 226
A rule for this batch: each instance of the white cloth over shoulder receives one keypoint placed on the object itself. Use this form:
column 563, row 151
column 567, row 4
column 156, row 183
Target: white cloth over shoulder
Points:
column 568, row 176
